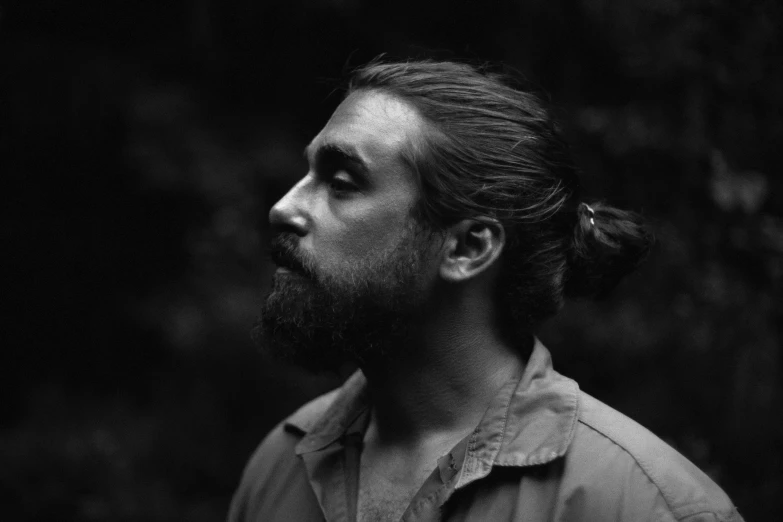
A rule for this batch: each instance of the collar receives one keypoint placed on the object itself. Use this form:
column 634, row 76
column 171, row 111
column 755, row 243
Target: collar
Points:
column 328, row 418
column 531, row 421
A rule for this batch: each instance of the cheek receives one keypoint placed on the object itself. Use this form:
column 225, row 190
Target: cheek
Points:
column 373, row 227
column 367, row 237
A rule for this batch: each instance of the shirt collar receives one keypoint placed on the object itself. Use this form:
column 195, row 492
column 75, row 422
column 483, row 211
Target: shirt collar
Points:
column 329, row 417
column 531, row 421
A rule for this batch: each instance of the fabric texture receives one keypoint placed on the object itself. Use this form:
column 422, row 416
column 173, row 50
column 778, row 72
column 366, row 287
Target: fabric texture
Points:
column 543, row 451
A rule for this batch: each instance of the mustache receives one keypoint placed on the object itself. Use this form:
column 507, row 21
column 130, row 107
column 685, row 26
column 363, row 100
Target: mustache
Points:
column 284, row 251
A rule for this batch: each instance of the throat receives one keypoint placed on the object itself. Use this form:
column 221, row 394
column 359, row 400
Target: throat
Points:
column 416, row 402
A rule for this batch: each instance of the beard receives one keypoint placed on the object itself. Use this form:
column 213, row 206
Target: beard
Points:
column 363, row 313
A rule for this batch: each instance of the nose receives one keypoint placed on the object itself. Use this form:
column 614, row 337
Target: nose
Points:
column 290, row 211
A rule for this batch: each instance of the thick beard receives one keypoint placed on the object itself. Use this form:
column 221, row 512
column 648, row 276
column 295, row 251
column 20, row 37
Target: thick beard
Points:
column 366, row 314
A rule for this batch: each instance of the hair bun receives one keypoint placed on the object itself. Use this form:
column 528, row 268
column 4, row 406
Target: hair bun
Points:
column 608, row 244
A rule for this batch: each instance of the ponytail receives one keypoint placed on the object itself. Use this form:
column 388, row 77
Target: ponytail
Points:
column 608, row 244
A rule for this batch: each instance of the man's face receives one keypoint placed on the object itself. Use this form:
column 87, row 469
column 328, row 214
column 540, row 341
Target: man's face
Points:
column 354, row 272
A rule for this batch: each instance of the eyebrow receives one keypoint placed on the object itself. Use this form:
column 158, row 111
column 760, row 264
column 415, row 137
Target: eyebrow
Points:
column 335, row 153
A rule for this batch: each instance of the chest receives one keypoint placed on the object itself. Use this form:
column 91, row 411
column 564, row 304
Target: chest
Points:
column 386, row 492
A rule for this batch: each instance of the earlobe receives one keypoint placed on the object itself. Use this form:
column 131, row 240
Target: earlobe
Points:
column 472, row 246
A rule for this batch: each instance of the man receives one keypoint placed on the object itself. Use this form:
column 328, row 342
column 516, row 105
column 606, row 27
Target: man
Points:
column 439, row 224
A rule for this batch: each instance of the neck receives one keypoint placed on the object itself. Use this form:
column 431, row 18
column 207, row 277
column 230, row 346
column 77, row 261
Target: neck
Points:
column 443, row 385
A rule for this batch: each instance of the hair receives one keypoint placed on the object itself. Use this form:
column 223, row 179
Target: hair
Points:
column 493, row 150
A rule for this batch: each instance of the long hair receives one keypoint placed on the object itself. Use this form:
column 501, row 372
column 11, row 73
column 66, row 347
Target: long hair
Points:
column 494, row 150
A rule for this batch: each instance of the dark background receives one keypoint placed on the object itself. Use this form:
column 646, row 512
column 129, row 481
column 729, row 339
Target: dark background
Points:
column 142, row 144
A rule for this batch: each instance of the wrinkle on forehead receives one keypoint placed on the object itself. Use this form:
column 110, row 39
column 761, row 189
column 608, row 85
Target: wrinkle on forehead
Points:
column 380, row 125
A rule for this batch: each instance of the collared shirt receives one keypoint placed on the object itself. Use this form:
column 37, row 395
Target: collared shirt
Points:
column 543, row 451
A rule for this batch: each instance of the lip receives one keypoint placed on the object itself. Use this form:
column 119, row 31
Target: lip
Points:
column 287, row 272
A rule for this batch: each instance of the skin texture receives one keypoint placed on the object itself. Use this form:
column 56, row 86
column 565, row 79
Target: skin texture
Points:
column 432, row 394
column 344, row 216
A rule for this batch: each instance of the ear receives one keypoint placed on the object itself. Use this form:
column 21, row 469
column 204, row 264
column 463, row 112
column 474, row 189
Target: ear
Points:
column 471, row 247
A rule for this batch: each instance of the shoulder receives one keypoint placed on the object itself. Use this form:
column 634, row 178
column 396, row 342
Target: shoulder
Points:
column 614, row 453
column 273, row 471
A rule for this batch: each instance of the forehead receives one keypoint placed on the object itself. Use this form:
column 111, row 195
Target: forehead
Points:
column 377, row 125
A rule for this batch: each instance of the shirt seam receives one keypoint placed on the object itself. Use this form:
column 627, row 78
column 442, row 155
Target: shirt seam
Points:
column 470, row 459
column 638, row 464
column 574, row 421
column 712, row 512
column 505, row 422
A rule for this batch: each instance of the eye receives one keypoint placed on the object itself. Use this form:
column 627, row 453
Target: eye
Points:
column 341, row 186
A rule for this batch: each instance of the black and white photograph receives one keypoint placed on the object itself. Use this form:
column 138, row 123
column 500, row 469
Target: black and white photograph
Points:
column 359, row 261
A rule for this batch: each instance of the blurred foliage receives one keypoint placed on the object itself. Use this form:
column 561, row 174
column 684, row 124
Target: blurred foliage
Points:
column 145, row 142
